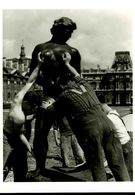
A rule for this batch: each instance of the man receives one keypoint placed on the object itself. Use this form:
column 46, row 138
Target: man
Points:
column 15, row 133
column 94, row 131
column 17, row 153
column 61, row 30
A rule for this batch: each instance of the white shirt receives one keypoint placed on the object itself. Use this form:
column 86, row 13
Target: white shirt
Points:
column 120, row 128
column 128, row 120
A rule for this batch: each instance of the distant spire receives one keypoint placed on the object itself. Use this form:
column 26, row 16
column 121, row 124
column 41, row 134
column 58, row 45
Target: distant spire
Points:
column 22, row 53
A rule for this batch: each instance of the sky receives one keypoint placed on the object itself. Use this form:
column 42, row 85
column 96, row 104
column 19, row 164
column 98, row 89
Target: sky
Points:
column 99, row 33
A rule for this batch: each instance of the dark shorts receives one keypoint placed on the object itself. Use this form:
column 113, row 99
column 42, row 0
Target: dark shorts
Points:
column 12, row 128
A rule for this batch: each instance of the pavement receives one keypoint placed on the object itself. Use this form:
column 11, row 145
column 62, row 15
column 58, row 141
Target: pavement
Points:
column 57, row 174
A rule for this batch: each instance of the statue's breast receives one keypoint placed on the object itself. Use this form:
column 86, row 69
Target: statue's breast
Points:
column 53, row 61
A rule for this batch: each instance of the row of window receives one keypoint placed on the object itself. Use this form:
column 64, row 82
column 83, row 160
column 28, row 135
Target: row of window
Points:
column 9, row 97
column 8, row 82
column 117, row 99
column 118, row 85
column 18, row 67
column 100, row 77
column 16, row 64
column 127, row 101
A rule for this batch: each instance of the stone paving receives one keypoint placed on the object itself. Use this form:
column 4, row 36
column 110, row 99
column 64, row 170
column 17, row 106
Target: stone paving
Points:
column 54, row 157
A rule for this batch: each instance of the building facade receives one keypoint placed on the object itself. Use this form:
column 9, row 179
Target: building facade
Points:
column 114, row 83
column 15, row 75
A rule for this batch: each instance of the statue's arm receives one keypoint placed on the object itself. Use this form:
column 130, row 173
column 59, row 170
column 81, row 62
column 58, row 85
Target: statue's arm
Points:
column 76, row 60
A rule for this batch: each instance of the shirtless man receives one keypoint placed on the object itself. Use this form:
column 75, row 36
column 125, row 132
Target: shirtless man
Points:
column 14, row 132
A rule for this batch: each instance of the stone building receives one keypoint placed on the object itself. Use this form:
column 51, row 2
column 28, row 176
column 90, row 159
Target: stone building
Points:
column 114, row 83
column 15, row 75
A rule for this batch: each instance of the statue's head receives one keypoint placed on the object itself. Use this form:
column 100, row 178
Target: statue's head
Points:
column 63, row 28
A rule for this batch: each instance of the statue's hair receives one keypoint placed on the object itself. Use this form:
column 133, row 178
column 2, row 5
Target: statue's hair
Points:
column 61, row 23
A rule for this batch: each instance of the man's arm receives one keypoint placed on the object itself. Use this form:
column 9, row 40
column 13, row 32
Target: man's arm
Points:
column 29, row 83
column 34, row 59
column 35, row 72
column 67, row 58
column 34, row 62
column 25, row 142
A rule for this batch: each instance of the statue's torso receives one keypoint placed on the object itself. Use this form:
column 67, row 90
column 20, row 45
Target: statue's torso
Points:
column 50, row 71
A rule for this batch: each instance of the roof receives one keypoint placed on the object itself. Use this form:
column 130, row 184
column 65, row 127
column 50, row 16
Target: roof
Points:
column 24, row 74
column 16, row 72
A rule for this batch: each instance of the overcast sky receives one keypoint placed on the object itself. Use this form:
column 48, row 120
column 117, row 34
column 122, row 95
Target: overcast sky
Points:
column 99, row 32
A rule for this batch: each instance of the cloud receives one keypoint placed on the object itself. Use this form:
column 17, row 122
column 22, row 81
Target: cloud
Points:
column 99, row 32
column 9, row 46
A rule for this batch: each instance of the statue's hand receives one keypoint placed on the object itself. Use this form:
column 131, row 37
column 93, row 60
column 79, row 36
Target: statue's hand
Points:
column 66, row 57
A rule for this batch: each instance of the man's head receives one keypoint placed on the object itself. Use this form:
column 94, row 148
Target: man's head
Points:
column 63, row 28
column 32, row 100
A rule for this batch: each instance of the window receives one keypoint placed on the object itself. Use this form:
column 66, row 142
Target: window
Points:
column 127, row 85
column 15, row 65
column 93, row 85
column 8, row 96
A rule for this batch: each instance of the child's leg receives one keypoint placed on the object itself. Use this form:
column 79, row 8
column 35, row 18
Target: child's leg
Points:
column 8, row 164
column 77, row 150
column 65, row 149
